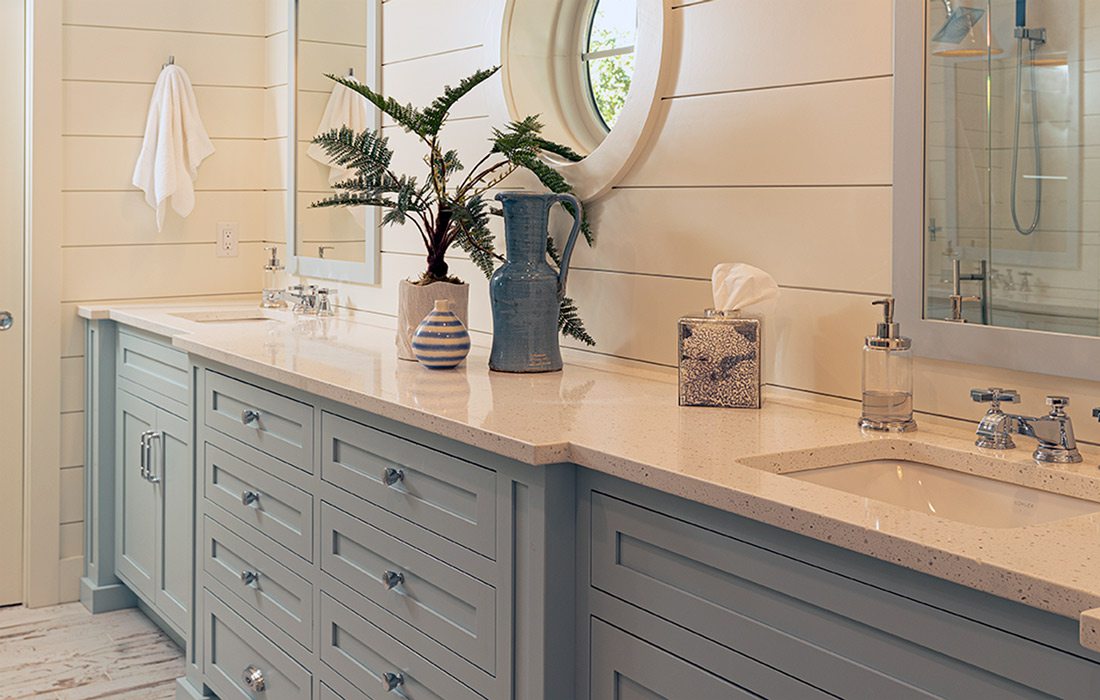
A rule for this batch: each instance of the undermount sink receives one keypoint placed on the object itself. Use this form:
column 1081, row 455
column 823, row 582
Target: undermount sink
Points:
column 225, row 316
column 952, row 495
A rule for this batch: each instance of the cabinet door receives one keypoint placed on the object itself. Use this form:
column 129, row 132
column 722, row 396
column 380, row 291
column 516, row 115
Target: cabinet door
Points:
column 136, row 498
column 174, row 476
column 626, row 668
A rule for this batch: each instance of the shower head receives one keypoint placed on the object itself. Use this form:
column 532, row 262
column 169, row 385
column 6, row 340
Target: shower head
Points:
column 960, row 22
column 959, row 36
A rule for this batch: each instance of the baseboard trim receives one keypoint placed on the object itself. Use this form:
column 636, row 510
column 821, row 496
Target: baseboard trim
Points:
column 186, row 691
column 102, row 599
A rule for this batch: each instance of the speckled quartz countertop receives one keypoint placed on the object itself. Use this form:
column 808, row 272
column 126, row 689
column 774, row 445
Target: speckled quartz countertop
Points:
column 622, row 419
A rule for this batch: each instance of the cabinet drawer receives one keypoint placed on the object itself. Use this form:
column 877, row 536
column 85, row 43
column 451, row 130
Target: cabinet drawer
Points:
column 265, row 585
column 281, row 511
column 279, row 426
column 235, row 648
column 840, row 635
column 367, row 657
column 624, row 666
column 154, row 366
column 446, row 495
column 451, row 607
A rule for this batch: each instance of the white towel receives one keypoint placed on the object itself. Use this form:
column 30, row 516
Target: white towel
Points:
column 345, row 108
column 175, row 145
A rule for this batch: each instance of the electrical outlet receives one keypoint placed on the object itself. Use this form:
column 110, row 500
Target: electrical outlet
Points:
column 228, row 235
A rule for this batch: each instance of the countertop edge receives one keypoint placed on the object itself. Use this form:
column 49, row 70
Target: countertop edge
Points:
column 991, row 578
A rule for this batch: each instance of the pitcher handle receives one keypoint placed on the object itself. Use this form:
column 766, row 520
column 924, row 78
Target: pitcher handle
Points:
column 567, row 253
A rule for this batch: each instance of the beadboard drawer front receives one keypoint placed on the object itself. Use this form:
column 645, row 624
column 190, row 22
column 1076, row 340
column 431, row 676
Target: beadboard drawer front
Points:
column 451, row 607
column 233, row 645
column 845, row 637
column 627, row 668
column 363, row 654
column 274, row 424
column 448, row 496
column 276, row 592
column 281, row 511
column 154, row 366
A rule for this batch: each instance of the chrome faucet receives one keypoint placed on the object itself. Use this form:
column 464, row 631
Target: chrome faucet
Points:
column 311, row 300
column 1054, row 431
column 957, row 298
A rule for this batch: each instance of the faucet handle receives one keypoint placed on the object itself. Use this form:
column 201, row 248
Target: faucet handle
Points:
column 995, row 396
column 1057, row 404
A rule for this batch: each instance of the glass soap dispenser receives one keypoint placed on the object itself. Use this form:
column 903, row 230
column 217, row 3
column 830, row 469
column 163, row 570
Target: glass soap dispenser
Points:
column 274, row 281
column 888, row 377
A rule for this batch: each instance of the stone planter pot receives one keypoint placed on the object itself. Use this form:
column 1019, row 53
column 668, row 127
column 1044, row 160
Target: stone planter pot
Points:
column 415, row 301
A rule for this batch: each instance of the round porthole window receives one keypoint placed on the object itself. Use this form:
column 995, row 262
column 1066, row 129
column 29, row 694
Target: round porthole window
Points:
column 589, row 69
column 608, row 57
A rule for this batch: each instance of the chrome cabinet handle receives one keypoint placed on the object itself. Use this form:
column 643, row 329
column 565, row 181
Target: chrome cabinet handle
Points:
column 392, row 579
column 143, row 456
column 249, row 497
column 392, row 477
column 6, row 320
column 250, row 577
column 392, row 681
column 150, row 472
column 146, row 454
column 250, row 417
column 254, row 679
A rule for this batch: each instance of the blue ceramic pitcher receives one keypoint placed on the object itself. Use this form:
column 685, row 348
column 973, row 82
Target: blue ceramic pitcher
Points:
column 526, row 291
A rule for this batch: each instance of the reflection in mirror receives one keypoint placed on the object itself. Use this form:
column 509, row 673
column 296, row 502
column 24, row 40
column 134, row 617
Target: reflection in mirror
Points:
column 575, row 75
column 333, row 37
column 1012, row 214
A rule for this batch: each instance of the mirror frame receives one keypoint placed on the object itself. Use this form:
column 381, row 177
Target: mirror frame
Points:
column 366, row 272
column 1023, row 350
column 612, row 159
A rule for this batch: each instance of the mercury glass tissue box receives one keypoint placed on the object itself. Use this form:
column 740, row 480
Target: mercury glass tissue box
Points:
column 719, row 356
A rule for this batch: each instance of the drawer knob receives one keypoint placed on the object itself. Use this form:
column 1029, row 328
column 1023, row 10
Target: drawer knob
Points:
column 250, row 417
column 392, row 681
column 254, row 679
column 392, row 579
column 392, row 477
column 250, row 577
column 249, row 497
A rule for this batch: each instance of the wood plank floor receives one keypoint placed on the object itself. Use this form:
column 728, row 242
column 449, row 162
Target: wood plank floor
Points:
column 65, row 653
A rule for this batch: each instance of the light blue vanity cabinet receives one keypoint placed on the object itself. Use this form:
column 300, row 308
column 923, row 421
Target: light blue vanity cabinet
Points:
column 345, row 555
column 141, row 495
column 683, row 601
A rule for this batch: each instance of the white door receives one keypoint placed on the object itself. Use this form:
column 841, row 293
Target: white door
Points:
column 11, row 300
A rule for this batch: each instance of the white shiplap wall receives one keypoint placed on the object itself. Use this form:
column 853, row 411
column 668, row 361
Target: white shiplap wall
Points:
column 774, row 148
column 111, row 250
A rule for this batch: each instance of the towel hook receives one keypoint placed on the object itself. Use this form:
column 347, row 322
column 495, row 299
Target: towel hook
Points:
column 171, row 62
column 351, row 72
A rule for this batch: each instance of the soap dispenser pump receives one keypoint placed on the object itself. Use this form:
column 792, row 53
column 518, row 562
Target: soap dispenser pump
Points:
column 888, row 377
column 274, row 281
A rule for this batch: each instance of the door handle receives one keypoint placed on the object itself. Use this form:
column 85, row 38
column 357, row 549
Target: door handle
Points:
column 6, row 320
column 151, row 473
column 146, row 454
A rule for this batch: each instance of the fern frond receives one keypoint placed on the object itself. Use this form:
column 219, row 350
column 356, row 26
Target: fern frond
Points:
column 472, row 219
column 560, row 150
column 435, row 115
column 570, row 323
column 407, row 117
column 368, row 152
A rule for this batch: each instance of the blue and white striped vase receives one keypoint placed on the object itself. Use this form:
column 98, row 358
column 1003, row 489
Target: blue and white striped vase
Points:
column 441, row 341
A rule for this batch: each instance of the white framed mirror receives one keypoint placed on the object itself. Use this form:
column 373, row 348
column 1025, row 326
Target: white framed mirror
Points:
column 338, row 37
column 591, row 69
column 996, row 232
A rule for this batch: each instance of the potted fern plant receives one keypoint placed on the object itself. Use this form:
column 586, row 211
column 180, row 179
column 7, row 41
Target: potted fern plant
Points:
column 450, row 207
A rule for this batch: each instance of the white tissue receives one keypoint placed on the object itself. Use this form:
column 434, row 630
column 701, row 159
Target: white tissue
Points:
column 743, row 288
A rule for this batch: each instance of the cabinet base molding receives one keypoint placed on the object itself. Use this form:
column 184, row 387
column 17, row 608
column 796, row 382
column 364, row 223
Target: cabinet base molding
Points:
column 186, row 691
column 103, row 599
